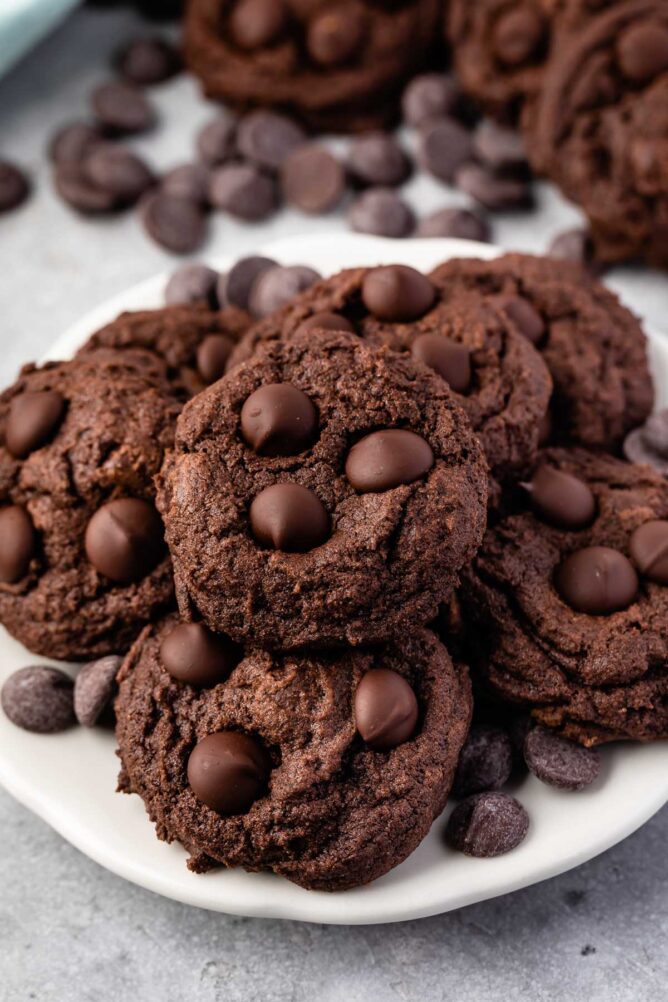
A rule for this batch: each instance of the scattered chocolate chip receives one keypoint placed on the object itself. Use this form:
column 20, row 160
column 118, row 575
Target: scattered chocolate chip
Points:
column 244, row 191
column 119, row 172
column 175, row 223
column 216, row 141
column 325, row 322
column 72, row 143
column 385, row 708
column 649, row 550
column 255, row 24
column 312, row 179
column 430, row 96
column 276, row 286
column 448, row 358
column 444, row 147
column 559, row 762
column 525, row 316
column 382, row 212
column 463, row 224
column 495, row 191
column 397, row 293
column 561, row 498
column 649, row 443
column 228, row 772
column 17, row 543
column 377, row 159
column 499, row 148
column 212, row 356
column 485, row 761
column 14, row 187
column 39, row 699
column 94, row 689
column 487, row 824
column 80, row 193
column 191, row 653
column 235, row 287
column 125, row 540
column 266, row 138
column 388, row 458
column 290, row 518
column 189, row 181
column 334, row 36
column 148, row 61
column 122, row 109
column 517, row 35
column 33, row 419
column 642, row 50
column 576, row 245
column 192, row 283
column 278, row 419
column 597, row 580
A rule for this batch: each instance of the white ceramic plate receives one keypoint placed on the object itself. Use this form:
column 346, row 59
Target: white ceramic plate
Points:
column 69, row 779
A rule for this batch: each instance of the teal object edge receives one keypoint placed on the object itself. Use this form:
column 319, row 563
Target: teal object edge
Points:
column 24, row 22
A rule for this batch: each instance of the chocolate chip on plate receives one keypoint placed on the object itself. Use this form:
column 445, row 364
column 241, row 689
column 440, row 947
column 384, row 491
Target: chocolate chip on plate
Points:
column 597, row 580
column 290, row 518
column 397, row 293
column 191, row 653
column 39, row 699
column 463, row 224
column 559, row 762
column 148, row 61
column 125, row 539
column 312, row 179
column 649, row 550
column 278, row 419
column 335, row 33
column 17, row 543
column 228, row 771
column 254, row 24
column 73, row 142
column 244, row 191
column 500, row 148
column 430, row 96
column 276, row 286
column 649, row 443
column 485, row 761
column 176, row 224
column 192, row 283
column 14, row 187
column 385, row 708
column 450, row 359
column 444, row 147
column 212, row 356
column 388, row 458
column 377, row 159
column 216, row 141
column 382, row 212
column 189, row 181
column 235, row 287
column 118, row 171
column 80, row 193
column 94, row 689
column 495, row 191
column 267, row 137
column 33, row 419
column 122, row 109
column 575, row 245
column 487, row 824
column 561, row 498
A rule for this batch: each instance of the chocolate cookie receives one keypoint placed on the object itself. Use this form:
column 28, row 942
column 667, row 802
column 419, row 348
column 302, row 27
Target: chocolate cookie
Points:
column 593, row 346
column 599, row 128
column 496, row 375
column 190, row 343
column 83, row 565
column 327, row 492
column 338, row 66
column 566, row 603
column 326, row 769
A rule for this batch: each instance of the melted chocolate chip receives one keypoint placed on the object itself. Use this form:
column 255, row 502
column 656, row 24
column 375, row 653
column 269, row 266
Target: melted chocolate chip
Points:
column 327, row 322
column 125, row 540
column 278, row 419
column 212, row 356
column 649, row 550
column 290, row 518
column 191, row 653
column 561, row 498
column 597, row 580
column 388, row 458
column 526, row 318
column 34, row 417
column 386, row 710
column 17, row 543
column 448, row 358
column 397, row 293
column 228, row 772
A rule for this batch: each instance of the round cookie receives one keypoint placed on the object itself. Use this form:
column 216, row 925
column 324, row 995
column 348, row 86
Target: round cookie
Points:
column 190, row 343
column 336, row 66
column 81, row 443
column 496, row 375
column 331, row 812
column 593, row 346
column 599, row 128
column 566, row 603
column 338, row 509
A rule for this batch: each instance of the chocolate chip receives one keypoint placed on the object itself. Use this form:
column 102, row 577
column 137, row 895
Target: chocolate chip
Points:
column 39, row 699
column 377, row 159
column 559, row 762
column 388, row 458
column 517, row 35
column 125, row 540
column 312, row 179
column 385, row 708
column 325, row 322
column 561, row 498
column 335, row 35
column 255, row 24
column 17, row 543
column 485, row 761
column 94, row 689
column 575, row 245
column 72, row 143
column 244, row 191
column 216, row 141
column 192, row 283
column 189, row 181
column 430, row 96
column 228, row 772
column 148, row 61
column 525, row 316
column 649, row 443
column 75, row 188
column 174, row 223
column 191, row 653
column 499, row 148
column 487, row 824
column 597, row 580
column 290, row 518
column 278, row 419
column 34, row 417
column 397, row 293
column 448, row 358
column 266, row 138
column 122, row 109
column 276, row 286
column 642, row 50
column 444, row 146
column 382, row 212
column 649, row 550
column 118, row 171
column 212, row 356
column 234, row 289
column 495, row 191
column 14, row 187
column 463, row 224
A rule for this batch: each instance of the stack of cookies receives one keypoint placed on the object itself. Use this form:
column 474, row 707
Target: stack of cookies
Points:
column 304, row 528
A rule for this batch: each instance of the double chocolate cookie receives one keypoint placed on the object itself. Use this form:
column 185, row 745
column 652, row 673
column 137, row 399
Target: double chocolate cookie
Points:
column 326, row 492
column 189, row 344
column 83, row 564
column 593, row 346
column 337, row 66
column 495, row 374
column 566, row 603
column 327, row 769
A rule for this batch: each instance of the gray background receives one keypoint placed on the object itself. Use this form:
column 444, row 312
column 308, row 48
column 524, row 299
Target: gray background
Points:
column 71, row 931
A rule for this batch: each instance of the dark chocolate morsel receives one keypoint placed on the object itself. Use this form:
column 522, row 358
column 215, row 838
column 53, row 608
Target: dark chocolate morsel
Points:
column 267, row 137
column 212, row 356
column 485, row 761
column 597, row 580
column 148, row 61
column 121, row 108
column 487, row 824
column 559, row 762
column 34, row 418
column 39, row 699
column 526, row 318
column 125, row 539
column 397, row 293
column 234, row 289
column 14, row 186
column 327, row 322
column 561, row 498
column 94, row 688
column 290, row 518
column 312, row 179
column 278, row 419
column 649, row 550
column 383, row 212
column 386, row 709
column 17, row 543
column 385, row 459
column 448, row 358
column 228, row 772
column 193, row 654
column 192, row 283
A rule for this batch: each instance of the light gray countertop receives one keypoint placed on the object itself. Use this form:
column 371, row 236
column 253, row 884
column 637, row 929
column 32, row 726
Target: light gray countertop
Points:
column 70, row 931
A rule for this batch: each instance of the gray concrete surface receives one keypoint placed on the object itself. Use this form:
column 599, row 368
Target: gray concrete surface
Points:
column 69, row 931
